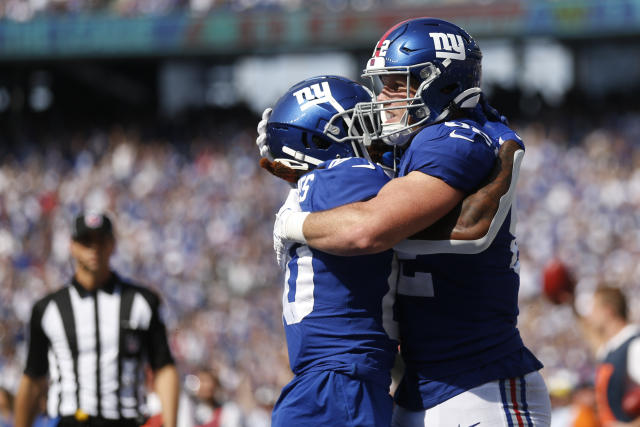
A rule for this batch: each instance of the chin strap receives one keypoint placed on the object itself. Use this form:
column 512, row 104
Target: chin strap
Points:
column 468, row 98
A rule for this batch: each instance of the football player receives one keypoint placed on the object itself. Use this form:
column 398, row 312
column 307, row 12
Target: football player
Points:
column 457, row 302
column 332, row 306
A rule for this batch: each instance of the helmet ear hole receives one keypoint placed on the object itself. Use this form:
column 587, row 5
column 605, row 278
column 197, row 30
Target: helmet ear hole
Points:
column 320, row 143
column 304, row 140
column 449, row 89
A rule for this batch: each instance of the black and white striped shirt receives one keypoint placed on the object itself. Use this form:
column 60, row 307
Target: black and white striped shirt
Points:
column 94, row 346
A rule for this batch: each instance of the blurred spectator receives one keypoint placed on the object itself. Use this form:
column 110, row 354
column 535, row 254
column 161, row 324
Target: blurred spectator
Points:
column 573, row 404
column 560, row 386
column 619, row 356
column 212, row 407
column 154, row 405
column 584, row 403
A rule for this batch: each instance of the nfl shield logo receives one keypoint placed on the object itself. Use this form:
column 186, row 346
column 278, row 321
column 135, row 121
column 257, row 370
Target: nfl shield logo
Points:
column 132, row 343
column 93, row 220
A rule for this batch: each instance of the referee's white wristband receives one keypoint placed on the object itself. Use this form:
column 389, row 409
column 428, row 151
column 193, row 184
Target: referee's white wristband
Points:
column 293, row 226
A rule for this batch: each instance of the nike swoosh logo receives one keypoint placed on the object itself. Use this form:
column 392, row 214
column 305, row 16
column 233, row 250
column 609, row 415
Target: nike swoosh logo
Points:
column 368, row 166
column 453, row 134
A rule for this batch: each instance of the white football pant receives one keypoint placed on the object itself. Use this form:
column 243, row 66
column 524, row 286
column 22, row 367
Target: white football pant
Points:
column 513, row 402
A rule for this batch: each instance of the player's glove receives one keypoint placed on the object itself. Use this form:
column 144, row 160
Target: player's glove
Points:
column 491, row 113
column 281, row 170
column 287, row 229
column 494, row 124
column 261, row 140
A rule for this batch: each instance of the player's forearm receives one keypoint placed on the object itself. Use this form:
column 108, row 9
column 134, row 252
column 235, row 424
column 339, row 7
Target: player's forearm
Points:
column 479, row 208
column 477, row 212
column 168, row 389
column 26, row 402
column 471, row 220
column 403, row 207
column 347, row 230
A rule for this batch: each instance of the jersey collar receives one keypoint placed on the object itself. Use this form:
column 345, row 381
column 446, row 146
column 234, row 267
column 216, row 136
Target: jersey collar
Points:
column 618, row 339
column 108, row 287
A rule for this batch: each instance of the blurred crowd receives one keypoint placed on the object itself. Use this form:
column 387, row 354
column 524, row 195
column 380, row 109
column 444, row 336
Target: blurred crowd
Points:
column 193, row 221
column 194, row 213
column 22, row 10
column 578, row 198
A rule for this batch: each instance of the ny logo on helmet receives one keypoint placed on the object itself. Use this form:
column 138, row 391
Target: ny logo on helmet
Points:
column 448, row 46
column 312, row 95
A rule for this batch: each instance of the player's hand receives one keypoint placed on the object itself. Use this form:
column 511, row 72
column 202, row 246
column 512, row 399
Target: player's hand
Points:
column 282, row 246
column 261, row 140
column 490, row 113
column 494, row 124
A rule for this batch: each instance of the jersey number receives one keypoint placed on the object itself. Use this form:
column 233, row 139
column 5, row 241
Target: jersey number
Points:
column 410, row 282
column 467, row 132
column 418, row 285
column 297, row 303
column 303, row 186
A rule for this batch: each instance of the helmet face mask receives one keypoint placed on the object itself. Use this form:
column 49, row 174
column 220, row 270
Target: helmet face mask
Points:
column 441, row 64
column 400, row 111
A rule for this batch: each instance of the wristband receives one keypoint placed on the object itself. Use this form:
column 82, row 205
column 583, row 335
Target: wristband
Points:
column 293, row 226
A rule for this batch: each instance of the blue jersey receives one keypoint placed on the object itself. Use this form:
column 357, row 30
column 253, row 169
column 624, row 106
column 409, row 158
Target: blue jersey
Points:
column 332, row 306
column 457, row 312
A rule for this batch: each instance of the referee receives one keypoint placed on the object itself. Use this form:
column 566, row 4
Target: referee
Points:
column 93, row 338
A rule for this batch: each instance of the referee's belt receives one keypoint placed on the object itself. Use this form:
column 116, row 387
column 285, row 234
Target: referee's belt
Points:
column 83, row 419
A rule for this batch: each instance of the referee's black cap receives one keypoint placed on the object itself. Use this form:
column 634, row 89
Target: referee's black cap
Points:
column 91, row 223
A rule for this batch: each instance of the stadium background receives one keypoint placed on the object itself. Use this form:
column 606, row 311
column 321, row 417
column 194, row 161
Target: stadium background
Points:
column 148, row 108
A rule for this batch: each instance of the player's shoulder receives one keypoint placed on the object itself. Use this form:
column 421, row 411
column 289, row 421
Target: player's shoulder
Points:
column 463, row 129
column 345, row 162
column 459, row 136
column 340, row 181
column 349, row 166
column 432, row 132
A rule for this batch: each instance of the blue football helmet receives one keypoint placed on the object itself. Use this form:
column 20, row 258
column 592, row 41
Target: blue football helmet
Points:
column 441, row 62
column 313, row 122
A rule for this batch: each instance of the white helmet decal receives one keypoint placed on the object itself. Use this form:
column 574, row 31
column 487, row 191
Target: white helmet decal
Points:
column 448, row 46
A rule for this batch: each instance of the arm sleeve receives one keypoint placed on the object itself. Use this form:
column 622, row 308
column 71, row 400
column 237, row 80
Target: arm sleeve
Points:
column 633, row 360
column 37, row 361
column 159, row 351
